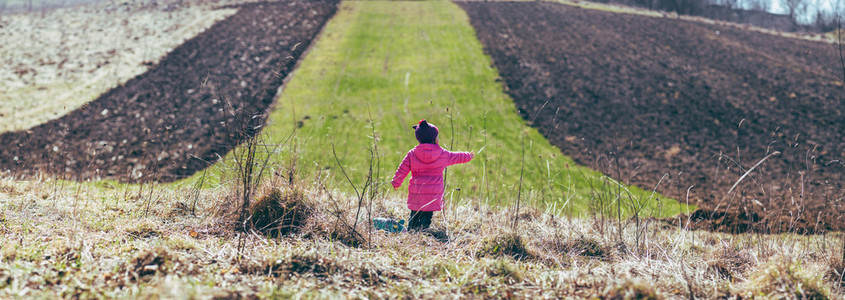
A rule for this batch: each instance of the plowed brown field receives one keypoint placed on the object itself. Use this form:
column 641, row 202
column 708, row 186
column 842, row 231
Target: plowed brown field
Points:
column 201, row 100
column 684, row 106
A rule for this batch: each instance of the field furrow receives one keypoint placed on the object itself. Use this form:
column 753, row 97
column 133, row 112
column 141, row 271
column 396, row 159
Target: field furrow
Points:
column 198, row 102
column 692, row 106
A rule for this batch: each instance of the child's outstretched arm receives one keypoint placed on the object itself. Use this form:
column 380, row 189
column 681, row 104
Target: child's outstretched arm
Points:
column 402, row 171
column 460, row 157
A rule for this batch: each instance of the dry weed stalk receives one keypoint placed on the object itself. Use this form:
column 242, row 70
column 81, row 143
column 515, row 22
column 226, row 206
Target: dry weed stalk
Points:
column 522, row 168
column 369, row 190
column 842, row 64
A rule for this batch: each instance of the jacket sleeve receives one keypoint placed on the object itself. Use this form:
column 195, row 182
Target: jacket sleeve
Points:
column 402, row 171
column 459, row 157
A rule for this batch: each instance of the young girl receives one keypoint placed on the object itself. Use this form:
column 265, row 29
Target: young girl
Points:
column 426, row 163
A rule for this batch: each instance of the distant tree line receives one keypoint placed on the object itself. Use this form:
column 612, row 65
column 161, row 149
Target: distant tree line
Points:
column 801, row 15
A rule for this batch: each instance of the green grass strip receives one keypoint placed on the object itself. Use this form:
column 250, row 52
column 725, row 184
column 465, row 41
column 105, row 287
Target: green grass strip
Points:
column 379, row 67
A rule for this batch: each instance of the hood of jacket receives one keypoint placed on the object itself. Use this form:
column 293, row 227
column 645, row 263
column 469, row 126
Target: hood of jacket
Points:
column 427, row 152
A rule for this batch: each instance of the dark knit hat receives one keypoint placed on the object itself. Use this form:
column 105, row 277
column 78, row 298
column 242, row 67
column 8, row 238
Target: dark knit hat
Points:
column 426, row 133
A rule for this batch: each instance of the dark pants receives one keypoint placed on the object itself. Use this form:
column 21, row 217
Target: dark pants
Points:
column 420, row 220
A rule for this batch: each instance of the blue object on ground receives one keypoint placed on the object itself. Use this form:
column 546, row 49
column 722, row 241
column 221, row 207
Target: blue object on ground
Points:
column 389, row 225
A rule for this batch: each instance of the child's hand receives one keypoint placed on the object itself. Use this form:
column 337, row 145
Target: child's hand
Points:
column 471, row 154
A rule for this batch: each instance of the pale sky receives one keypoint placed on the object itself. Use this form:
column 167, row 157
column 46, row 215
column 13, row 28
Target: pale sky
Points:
column 779, row 7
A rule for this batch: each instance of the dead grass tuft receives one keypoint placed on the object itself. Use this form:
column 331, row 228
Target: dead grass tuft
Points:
column 562, row 247
column 301, row 263
column 313, row 263
column 508, row 244
column 281, row 211
column 180, row 242
column 530, row 214
column 6, row 279
column 346, row 236
column 179, row 209
column 158, row 260
column 785, row 278
column 509, row 273
column 628, row 288
column 67, row 255
column 374, row 275
column 333, row 227
column 836, row 271
column 8, row 253
column 9, row 190
column 730, row 263
column 275, row 267
column 585, row 246
column 442, row 269
column 145, row 228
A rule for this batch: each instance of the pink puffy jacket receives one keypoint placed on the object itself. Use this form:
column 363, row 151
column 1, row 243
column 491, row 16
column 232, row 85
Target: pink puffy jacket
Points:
column 426, row 163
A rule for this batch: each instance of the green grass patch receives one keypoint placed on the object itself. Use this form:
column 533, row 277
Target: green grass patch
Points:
column 378, row 68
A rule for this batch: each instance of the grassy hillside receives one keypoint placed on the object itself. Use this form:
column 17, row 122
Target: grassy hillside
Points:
column 359, row 91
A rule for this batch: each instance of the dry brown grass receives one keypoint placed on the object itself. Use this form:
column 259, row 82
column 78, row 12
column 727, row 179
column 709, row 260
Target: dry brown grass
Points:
column 787, row 278
column 508, row 245
column 86, row 240
column 730, row 263
column 628, row 288
column 280, row 211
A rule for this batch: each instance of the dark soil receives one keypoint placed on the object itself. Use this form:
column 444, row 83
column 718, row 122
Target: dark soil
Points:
column 696, row 105
column 195, row 105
